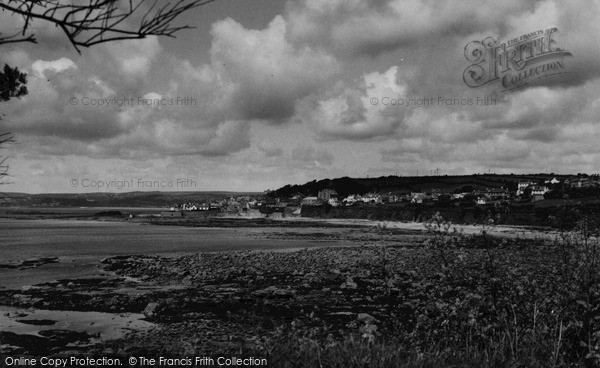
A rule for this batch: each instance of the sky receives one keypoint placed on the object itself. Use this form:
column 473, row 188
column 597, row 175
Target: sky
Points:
column 265, row 93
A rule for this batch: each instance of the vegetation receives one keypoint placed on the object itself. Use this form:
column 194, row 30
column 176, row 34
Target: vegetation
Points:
column 493, row 303
column 13, row 84
column 93, row 22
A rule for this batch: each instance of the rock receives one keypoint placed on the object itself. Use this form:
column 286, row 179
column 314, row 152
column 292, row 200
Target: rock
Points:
column 151, row 310
column 349, row 284
column 284, row 292
column 332, row 276
column 365, row 318
column 37, row 322
column 273, row 290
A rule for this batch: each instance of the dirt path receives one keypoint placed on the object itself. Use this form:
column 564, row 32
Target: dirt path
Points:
column 503, row 230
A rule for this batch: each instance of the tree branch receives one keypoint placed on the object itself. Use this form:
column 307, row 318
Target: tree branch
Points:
column 91, row 22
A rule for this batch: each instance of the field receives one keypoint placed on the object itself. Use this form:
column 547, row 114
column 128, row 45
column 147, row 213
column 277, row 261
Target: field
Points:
column 390, row 298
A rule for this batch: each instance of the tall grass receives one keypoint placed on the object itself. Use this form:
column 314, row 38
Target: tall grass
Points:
column 512, row 316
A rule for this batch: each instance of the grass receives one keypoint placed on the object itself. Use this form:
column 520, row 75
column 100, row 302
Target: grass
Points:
column 483, row 308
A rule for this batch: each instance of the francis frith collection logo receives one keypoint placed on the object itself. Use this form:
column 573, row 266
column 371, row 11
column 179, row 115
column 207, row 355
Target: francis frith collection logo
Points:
column 516, row 62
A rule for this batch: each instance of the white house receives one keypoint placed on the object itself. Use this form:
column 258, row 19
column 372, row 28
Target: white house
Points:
column 523, row 185
column 539, row 190
column 333, row 202
column 351, row 199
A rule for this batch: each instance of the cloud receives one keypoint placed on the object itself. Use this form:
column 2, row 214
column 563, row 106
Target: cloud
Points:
column 309, row 157
column 266, row 74
column 325, row 77
column 270, row 149
column 253, row 75
column 373, row 27
column 366, row 110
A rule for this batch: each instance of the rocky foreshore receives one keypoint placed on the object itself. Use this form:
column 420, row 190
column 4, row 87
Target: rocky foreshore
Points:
column 238, row 302
column 228, row 300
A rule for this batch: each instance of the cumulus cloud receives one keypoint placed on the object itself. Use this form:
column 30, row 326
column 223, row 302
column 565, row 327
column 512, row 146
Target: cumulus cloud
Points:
column 266, row 74
column 253, row 75
column 365, row 110
column 331, row 73
column 373, row 27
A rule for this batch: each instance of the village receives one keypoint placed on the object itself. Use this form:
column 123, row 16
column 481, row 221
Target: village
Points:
column 523, row 192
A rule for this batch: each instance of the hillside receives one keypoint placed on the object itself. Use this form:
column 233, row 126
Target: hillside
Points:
column 406, row 184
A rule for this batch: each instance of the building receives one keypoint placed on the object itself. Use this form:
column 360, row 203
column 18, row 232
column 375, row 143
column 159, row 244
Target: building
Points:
column 351, row 199
column 311, row 201
column 327, row 194
column 417, row 197
column 523, row 185
column 372, row 198
column 334, row 202
column 538, row 190
column 497, row 194
column 553, row 181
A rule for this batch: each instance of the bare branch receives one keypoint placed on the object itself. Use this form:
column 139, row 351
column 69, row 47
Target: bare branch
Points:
column 91, row 22
column 4, row 138
column 16, row 38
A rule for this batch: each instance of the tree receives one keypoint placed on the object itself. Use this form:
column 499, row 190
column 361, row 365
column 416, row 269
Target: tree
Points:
column 12, row 85
column 85, row 23
column 90, row 22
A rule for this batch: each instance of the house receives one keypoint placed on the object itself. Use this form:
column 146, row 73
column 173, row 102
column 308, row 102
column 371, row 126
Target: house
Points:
column 392, row 198
column 539, row 190
column 553, row 181
column 311, row 201
column 584, row 183
column 417, row 197
column 459, row 195
column 372, row 198
column 523, row 185
column 580, row 182
column 351, row 199
column 334, row 202
column 326, row 194
column 497, row 194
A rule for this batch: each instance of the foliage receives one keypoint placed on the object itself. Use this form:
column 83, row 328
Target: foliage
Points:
column 12, row 83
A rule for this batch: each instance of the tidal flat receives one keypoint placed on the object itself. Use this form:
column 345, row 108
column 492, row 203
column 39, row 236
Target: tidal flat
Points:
column 306, row 296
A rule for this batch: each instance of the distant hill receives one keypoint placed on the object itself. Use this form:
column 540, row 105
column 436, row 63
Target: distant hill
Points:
column 101, row 199
column 406, row 184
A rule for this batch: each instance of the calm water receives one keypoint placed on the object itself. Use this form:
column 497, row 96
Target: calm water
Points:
column 81, row 244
